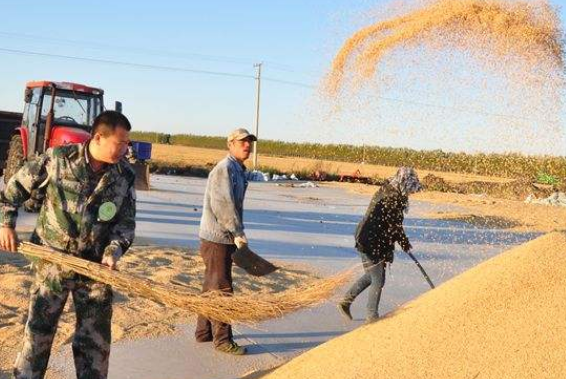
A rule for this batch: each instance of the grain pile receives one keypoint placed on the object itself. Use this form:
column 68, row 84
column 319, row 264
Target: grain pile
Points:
column 502, row 319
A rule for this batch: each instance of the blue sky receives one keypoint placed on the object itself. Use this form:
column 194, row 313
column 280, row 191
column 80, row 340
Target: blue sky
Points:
column 295, row 39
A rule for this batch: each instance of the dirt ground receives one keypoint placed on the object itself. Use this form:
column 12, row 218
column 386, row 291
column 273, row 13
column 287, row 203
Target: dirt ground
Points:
column 133, row 317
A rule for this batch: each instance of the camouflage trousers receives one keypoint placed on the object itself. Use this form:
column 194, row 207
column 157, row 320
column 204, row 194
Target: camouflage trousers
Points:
column 91, row 342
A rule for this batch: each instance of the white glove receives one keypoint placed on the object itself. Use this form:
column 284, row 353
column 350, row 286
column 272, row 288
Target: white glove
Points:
column 240, row 241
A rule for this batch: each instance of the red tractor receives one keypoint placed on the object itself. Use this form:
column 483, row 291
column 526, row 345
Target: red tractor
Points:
column 55, row 113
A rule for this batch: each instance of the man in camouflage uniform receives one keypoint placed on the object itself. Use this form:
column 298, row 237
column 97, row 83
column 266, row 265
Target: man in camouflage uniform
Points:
column 88, row 211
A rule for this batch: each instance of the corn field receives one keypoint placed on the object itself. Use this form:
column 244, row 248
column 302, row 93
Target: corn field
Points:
column 503, row 165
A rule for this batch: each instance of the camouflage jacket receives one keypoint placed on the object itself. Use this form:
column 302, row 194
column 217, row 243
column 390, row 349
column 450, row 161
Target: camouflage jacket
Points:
column 83, row 214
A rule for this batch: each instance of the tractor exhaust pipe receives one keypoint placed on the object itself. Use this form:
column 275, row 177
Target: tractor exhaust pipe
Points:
column 49, row 120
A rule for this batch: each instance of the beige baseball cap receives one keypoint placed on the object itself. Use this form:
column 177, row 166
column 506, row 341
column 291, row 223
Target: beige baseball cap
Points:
column 240, row 134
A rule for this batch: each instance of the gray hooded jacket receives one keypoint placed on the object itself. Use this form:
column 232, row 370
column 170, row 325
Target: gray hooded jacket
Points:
column 223, row 208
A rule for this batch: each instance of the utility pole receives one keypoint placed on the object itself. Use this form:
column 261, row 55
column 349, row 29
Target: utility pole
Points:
column 257, row 99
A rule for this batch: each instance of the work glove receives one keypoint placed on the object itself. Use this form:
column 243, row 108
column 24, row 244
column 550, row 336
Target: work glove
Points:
column 240, row 241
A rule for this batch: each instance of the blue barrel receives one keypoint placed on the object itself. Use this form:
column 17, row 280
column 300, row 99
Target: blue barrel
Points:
column 142, row 150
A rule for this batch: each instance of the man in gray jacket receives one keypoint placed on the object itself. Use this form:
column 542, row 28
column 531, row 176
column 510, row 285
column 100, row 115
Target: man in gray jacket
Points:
column 222, row 232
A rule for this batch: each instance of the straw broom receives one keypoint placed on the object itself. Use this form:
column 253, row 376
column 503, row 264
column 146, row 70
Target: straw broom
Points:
column 215, row 305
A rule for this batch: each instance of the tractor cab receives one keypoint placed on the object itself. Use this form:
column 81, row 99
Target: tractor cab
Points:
column 57, row 113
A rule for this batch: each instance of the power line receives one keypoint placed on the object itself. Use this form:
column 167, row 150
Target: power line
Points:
column 245, row 76
column 122, row 63
column 153, row 52
column 289, row 82
column 138, row 50
column 423, row 104
column 149, row 66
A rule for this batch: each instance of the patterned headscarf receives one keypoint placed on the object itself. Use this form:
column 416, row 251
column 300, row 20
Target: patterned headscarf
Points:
column 406, row 180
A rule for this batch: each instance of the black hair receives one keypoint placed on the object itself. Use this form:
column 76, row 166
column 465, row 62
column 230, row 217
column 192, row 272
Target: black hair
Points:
column 109, row 121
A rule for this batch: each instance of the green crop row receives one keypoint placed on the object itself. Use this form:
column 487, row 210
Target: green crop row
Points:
column 505, row 165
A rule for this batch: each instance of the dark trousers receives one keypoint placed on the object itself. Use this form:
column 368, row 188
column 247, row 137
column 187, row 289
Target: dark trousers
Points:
column 217, row 259
column 91, row 342
column 373, row 279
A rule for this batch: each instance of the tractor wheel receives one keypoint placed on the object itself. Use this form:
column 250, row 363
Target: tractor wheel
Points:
column 15, row 157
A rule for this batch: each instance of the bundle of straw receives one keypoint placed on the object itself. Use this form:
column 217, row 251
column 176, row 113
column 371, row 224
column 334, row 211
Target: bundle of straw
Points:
column 218, row 306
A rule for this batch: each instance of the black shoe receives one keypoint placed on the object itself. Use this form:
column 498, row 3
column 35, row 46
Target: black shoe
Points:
column 344, row 308
column 232, row 348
